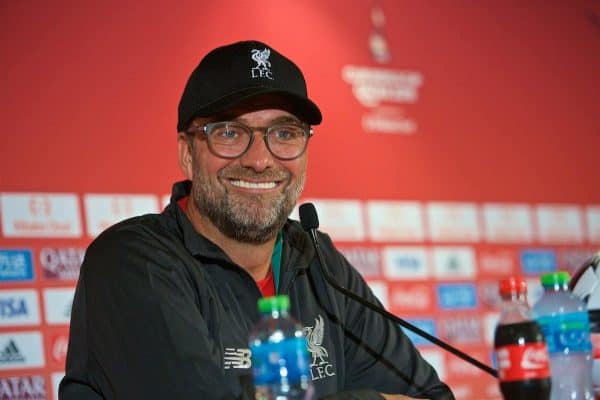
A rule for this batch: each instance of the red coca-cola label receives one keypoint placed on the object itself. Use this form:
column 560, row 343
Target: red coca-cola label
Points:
column 517, row 363
column 596, row 345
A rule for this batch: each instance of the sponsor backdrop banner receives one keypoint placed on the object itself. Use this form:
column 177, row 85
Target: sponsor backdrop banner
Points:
column 459, row 145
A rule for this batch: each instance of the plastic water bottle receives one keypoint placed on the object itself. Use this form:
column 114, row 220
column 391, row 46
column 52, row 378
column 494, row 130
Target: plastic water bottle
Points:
column 564, row 320
column 520, row 347
column 280, row 359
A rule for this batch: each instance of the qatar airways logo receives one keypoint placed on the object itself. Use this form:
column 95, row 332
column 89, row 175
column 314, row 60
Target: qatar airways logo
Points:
column 31, row 387
column 61, row 263
column 365, row 259
column 461, row 329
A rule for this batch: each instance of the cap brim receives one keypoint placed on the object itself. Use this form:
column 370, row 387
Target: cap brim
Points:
column 301, row 107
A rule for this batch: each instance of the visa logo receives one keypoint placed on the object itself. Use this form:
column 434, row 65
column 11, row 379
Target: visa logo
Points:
column 16, row 265
column 12, row 307
column 457, row 296
column 536, row 262
column 427, row 325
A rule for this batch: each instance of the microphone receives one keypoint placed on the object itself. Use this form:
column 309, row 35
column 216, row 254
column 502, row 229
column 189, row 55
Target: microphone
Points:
column 310, row 222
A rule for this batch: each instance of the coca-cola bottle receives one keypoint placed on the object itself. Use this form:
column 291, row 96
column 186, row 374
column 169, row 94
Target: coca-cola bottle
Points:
column 520, row 348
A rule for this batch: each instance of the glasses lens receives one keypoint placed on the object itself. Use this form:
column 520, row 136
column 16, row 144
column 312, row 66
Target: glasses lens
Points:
column 228, row 139
column 287, row 141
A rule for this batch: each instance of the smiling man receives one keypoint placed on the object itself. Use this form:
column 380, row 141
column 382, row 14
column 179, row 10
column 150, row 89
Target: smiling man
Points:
column 165, row 303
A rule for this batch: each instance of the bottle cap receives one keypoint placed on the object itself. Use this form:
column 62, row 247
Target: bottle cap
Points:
column 513, row 284
column 270, row 304
column 555, row 278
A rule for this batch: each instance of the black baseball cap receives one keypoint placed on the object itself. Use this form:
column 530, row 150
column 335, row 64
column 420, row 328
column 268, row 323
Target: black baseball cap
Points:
column 231, row 74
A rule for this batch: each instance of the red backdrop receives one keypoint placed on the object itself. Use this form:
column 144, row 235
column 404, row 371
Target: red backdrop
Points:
column 454, row 108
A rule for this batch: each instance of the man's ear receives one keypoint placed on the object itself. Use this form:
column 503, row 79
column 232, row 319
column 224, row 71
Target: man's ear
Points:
column 184, row 152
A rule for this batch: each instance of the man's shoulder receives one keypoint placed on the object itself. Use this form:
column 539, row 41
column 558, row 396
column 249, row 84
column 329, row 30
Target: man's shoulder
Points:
column 143, row 231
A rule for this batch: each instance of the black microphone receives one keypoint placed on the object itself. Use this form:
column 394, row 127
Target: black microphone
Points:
column 310, row 223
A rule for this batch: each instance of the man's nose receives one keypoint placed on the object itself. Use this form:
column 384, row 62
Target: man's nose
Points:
column 258, row 156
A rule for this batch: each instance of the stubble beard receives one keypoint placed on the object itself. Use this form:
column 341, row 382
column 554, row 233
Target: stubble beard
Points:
column 245, row 218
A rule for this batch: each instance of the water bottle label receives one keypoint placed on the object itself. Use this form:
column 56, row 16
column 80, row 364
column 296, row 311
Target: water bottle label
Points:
column 519, row 363
column 566, row 332
column 286, row 361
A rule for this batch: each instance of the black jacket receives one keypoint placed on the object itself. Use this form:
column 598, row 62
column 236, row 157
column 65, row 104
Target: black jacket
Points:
column 160, row 312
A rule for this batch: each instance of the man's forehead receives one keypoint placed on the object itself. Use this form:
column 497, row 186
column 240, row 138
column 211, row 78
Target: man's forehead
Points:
column 267, row 115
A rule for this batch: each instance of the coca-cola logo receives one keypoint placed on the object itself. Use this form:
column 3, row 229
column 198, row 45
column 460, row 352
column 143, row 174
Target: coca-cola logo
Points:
column 518, row 362
column 534, row 358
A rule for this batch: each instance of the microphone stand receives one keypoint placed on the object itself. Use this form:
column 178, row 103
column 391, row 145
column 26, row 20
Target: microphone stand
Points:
column 313, row 234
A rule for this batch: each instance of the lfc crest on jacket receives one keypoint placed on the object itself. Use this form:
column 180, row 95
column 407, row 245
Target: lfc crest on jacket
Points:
column 320, row 367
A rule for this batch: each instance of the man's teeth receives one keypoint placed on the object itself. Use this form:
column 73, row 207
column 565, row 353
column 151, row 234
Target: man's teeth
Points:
column 254, row 185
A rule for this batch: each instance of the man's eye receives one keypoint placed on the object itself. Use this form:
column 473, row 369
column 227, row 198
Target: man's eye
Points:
column 227, row 133
column 288, row 133
column 230, row 133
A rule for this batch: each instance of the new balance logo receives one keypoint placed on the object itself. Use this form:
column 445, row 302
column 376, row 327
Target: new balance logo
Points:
column 236, row 358
column 11, row 353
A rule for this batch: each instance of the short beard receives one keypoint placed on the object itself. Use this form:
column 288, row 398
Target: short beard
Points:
column 255, row 219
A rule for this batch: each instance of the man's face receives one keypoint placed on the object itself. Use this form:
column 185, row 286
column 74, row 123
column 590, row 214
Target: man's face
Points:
column 249, row 198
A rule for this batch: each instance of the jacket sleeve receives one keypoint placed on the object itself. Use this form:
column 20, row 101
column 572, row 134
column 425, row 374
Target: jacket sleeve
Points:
column 378, row 353
column 137, row 331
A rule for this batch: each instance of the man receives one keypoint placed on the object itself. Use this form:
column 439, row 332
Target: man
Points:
column 165, row 303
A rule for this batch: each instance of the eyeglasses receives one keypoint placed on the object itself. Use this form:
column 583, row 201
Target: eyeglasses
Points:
column 232, row 139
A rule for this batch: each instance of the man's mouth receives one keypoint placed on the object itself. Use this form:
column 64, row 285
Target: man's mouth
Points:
column 253, row 185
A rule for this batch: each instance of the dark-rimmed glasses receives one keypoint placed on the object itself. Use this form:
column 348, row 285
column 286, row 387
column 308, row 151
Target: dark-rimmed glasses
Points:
column 228, row 139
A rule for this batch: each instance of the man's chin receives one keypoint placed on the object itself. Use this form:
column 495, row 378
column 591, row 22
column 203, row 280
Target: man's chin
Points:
column 252, row 233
